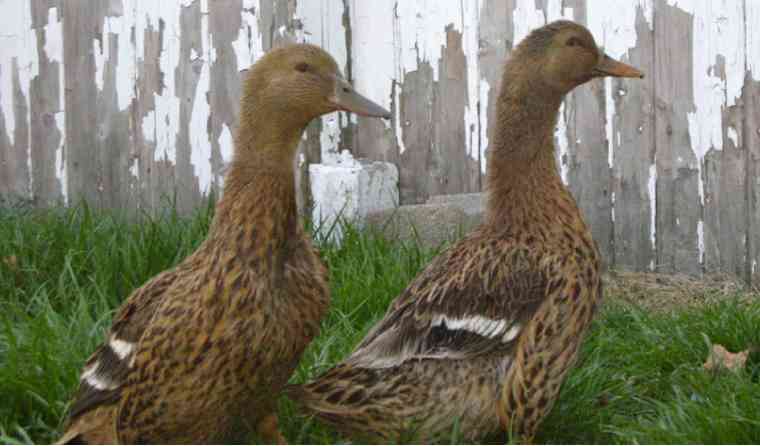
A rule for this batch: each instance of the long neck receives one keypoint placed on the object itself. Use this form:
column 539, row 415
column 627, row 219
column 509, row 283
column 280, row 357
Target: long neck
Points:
column 257, row 214
column 524, row 187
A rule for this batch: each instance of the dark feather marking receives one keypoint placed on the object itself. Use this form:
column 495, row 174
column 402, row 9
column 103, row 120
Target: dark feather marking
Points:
column 89, row 398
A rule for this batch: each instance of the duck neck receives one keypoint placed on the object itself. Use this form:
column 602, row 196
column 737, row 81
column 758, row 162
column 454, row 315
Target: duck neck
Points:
column 524, row 187
column 257, row 214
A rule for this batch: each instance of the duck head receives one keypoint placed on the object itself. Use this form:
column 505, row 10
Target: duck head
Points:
column 563, row 55
column 300, row 82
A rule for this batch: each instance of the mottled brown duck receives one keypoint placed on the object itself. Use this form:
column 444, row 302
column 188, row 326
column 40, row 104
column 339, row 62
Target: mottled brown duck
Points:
column 200, row 352
column 482, row 339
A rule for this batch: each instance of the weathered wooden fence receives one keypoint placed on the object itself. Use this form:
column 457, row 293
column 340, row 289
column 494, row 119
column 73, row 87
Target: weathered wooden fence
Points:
column 123, row 102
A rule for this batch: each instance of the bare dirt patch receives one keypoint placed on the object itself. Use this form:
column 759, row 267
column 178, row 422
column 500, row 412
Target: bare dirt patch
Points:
column 665, row 292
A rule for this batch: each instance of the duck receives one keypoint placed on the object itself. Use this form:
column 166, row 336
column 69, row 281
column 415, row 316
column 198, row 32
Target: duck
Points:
column 481, row 340
column 200, row 352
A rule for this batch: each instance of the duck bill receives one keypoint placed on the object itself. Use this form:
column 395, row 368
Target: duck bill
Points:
column 611, row 67
column 347, row 99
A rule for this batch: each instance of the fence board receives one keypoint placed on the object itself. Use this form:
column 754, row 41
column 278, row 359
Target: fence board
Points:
column 633, row 154
column 678, row 206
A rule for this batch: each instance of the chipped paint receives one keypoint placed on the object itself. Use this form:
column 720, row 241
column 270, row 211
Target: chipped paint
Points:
column 200, row 142
column 473, row 114
column 18, row 42
column 652, row 188
column 484, row 90
column 162, row 17
column 718, row 74
column 248, row 46
column 701, row 241
column 752, row 40
column 560, row 138
column 54, row 52
column 614, row 28
column 322, row 22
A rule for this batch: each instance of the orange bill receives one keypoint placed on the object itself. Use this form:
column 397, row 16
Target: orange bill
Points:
column 611, row 67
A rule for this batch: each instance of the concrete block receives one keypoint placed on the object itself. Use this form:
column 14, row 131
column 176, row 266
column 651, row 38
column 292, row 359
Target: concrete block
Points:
column 471, row 204
column 351, row 189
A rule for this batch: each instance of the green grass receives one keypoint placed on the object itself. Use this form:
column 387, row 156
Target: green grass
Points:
column 639, row 379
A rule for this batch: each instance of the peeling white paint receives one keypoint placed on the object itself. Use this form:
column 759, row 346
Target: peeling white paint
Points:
column 562, row 143
column 419, row 35
column 701, row 241
column 397, row 120
column 612, row 208
column 166, row 126
column 718, row 36
column 120, row 27
column 470, row 47
column 323, row 26
column 54, row 52
column 613, row 24
column 614, row 28
column 609, row 116
column 226, row 143
column 18, row 42
column 752, row 41
column 248, row 46
column 200, row 155
column 485, row 91
column 732, row 135
column 60, row 160
column 422, row 30
column 652, row 189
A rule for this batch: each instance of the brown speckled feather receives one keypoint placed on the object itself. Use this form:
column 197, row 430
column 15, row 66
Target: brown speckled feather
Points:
column 482, row 339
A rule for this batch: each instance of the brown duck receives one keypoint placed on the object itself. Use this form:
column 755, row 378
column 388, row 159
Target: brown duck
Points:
column 200, row 352
column 482, row 339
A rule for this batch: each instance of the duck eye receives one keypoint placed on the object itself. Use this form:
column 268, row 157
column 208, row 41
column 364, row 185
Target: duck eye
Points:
column 302, row 67
column 573, row 41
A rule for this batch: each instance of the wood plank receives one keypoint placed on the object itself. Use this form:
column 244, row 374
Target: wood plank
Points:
column 372, row 32
column 417, row 97
column 751, row 137
column 588, row 170
column 225, row 89
column 82, row 23
column 14, row 165
column 451, row 169
column 187, row 83
column 45, row 93
column 113, row 139
column 678, row 207
column 716, row 124
column 633, row 155
column 151, row 180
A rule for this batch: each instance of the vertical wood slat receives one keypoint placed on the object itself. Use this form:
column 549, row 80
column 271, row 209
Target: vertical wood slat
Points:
column 45, row 94
column 678, row 206
column 634, row 156
column 81, row 22
column 725, row 164
column 589, row 175
column 751, row 136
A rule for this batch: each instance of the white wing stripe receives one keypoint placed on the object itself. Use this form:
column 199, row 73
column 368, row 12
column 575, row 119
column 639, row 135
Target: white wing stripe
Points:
column 122, row 349
column 96, row 380
column 483, row 326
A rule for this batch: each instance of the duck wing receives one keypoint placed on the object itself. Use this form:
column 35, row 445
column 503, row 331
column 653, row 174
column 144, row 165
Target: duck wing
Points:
column 107, row 368
column 471, row 300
